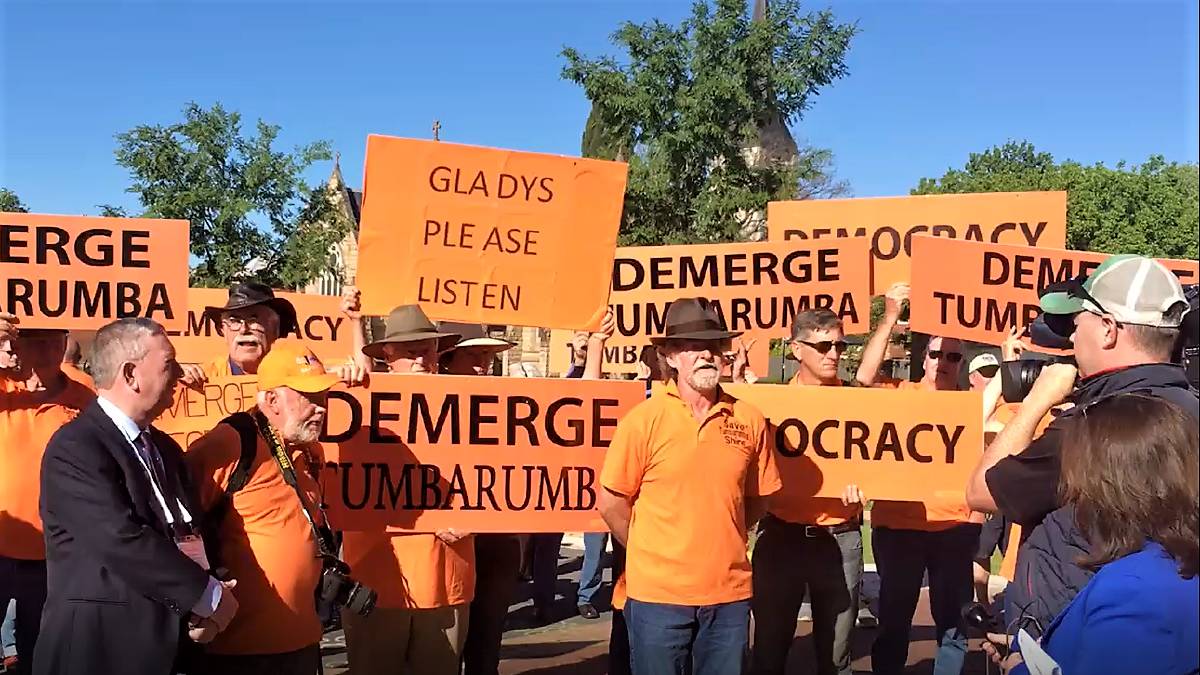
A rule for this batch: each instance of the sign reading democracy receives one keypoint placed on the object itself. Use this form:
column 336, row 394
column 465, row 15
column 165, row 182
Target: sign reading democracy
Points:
column 486, row 235
column 479, row 454
column 977, row 291
column 1025, row 218
column 758, row 288
column 78, row 273
column 321, row 326
column 902, row 445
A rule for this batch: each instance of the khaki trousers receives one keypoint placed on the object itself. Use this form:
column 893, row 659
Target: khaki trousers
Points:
column 406, row 641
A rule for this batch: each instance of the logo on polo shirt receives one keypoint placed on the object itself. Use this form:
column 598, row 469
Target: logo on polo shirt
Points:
column 736, row 433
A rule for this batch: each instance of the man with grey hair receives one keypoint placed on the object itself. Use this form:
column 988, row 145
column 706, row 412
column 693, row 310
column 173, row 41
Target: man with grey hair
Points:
column 126, row 570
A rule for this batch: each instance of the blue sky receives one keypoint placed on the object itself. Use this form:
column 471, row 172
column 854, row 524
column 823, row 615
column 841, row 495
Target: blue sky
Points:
column 929, row 82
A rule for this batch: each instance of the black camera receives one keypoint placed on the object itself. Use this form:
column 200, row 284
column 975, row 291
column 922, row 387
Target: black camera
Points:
column 977, row 617
column 1017, row 377
column 337, row 589
column 1187, row 351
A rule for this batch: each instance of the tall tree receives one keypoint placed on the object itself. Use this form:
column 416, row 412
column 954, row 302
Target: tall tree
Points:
column 688, row 101
column 10, row 202
column 1150, row 209
column 251, row 214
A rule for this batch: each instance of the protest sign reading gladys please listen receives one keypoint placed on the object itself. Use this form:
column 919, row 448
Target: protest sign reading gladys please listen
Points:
column 978, row 291
column 1026, row 218
column 78, row 273
column 483, row 235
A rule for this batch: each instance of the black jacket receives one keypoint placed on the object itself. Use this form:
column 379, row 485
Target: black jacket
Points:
column 1025, row 487
column 118, row 587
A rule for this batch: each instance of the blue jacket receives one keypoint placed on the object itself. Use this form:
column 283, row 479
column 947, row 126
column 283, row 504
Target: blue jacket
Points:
column 1137, row 615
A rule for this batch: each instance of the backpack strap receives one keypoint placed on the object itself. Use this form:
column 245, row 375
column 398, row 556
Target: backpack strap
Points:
column 244, row 424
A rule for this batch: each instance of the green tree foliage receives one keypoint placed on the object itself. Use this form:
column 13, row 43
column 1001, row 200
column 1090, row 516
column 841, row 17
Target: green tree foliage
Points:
column 251, row 214
column 1149, row 209
column 687, row 100
column 10, row 202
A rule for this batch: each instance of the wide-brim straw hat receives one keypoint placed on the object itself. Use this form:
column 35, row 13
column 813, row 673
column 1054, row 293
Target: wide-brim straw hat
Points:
column 474, row 335
column 408, row 323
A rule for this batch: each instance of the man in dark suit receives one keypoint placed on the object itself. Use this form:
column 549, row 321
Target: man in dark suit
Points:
column 126, row 572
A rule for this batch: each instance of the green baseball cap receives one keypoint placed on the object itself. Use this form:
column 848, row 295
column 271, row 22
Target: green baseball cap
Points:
column 1132, row 289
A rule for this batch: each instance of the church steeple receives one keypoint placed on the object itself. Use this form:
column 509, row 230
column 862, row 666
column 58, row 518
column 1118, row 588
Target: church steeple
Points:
column 775, row 142
column 335, row 177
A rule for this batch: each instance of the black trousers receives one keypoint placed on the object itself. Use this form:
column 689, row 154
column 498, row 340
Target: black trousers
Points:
column 497, row 571
column 24, row 581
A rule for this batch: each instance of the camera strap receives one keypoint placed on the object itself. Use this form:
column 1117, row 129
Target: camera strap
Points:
column 322, row 532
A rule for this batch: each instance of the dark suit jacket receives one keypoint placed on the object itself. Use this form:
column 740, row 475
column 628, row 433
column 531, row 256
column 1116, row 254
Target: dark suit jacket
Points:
column 118, row 587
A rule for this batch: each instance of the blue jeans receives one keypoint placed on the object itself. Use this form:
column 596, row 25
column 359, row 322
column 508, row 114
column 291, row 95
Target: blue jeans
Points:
column 902, row 558
column 592, row 574
column 687, row 640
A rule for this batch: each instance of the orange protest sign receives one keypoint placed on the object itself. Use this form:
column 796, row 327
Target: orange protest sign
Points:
column 758, row 288
column 977, row 291
column 1026, row 218
column 487, row 236
column 194, row 412
column 901, row 445
column 481, row 454
column 618, row 358
column 76, row 272
column 321, row 326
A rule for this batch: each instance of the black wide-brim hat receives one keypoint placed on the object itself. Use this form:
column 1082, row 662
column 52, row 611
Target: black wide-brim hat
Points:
column 693, row 319
column 250, row 293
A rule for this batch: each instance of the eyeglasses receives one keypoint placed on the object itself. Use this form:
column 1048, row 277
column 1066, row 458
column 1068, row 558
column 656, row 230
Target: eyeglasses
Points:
column 823, row 346
column 988, row 371
column 234, row 322
column 952, row 357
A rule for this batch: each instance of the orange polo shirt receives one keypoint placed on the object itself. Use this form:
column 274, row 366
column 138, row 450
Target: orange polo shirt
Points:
column 412, row 571
column 265, row 542
column 804, row 510
column 941, row 511
column 689, row 480
column 27, row 422
column 218, row 367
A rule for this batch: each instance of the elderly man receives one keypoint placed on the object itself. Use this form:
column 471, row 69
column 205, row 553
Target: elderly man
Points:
column 1124, row 320
column 425, row 581
column 36, row 400
column 244, row 469
column 125, row 564
column 687, row 473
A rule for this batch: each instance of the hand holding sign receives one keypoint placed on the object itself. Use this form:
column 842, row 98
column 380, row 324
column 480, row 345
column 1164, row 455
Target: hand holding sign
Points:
column 352, row 303
column 8, row 333
column 894, row 299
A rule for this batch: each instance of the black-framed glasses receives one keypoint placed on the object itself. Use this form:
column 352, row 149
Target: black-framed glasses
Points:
column 823, row 346
column 952, row 357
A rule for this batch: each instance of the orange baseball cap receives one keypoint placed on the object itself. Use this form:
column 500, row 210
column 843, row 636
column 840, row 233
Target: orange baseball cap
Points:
column 291, row 364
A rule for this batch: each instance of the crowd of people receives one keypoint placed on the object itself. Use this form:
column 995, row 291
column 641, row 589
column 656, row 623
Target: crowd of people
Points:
column 125, row 553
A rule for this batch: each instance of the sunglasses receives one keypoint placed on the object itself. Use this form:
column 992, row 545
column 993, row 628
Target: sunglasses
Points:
column 952, row 357
column 1075, row 289
column 825, row 345
column 988, row 371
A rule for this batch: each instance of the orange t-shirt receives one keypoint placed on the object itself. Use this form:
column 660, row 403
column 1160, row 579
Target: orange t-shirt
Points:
column 941, row 511
column 27, row 421
column 793, row 508
column 689, row 481
column 218, row 367
column 265, row 542
column 412, row 571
